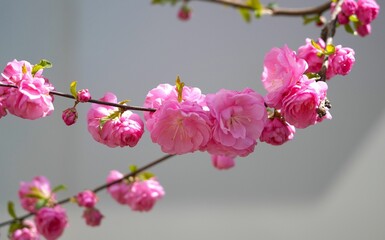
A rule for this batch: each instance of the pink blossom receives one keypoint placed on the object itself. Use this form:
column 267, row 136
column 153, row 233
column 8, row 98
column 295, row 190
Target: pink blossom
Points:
column 343, row 19
column 180, row 127
column 222, row 162
column 367, row 11
column 277, row 131
column 238, row 120
column 86, row 199
column 38, row 186
column 3, row 110
column 309, row 53
column 28, row 232
column 349, row 7
column 109, row 126
column 69, row 116
column 51, row 222
column 300, row 106
column 117, row 191
column 142, row 195
column 282, row 70
column 83, row 95
column 342, row 61
column 184, row 13
column 92, row 216
column 364, row 30
column 31, row 99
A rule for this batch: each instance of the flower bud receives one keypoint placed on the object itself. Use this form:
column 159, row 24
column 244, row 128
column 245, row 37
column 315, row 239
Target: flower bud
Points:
column 83, row 95
column 222, row 162
column 184, row 13
column 92, row 216
column 69, row 116
column 86, row 199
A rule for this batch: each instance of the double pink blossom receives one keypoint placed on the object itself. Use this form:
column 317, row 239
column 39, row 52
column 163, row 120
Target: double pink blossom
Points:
column 342, row 61
column 282, row 69
column 140, row 195
column 86, row 199
column 31, row 99
column 113, row 128
column 92, row 216
column 277, row 131
column 27, row 232
column 367, row 11
column 222, row 162
column 301, row 105
column 31, row 192
column 238, row 120
column 51, row 222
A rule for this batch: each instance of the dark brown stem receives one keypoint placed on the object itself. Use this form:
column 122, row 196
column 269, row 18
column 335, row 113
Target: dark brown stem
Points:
column 65, row 95
column 274, row 11
column 99, row 188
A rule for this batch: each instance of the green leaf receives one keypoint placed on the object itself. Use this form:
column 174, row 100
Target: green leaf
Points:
column 349, row 29
column 162, row 2
column 41, row 65
column 146, row 175
column 58, row 188
column 256, row 4
column 133, row 168
column 354, row 18
column 307, row 20
column 330, row 49
column 317, row 46
column 73, row 89
column 11, row 210
column 41, row 203
column 245, row 13
column 311, row 75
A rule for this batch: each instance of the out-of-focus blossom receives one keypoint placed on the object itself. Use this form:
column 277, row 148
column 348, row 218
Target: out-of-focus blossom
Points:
column 39, row 187
column 92, row 216
column 222, row 162
column 51, row 222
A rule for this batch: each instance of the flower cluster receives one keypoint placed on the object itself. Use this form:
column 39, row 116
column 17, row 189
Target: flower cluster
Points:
column 112, row 126
column 300, row 101
column 50, row 219
column 91, row 214
column 361, row 13
column 30, row 99
column 139, row 194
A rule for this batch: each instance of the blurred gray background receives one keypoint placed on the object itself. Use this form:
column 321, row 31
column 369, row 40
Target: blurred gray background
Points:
column 328, row 183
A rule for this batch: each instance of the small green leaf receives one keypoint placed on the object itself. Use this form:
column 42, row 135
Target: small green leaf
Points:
column 133, row 168
column 349, row 29
column 11, row 210
column 73, row 89
column 41, row 203
column 330, row 49
column 354, row 18
column 58, row 188
column 146, row 175
column 256, row 4
column 316, row 46
column 245, row 13
column 314, row 76
column 41, row 65
column 307, row 20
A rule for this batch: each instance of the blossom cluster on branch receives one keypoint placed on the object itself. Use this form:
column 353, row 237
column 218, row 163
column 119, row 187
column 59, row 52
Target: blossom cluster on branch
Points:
column 181, row 119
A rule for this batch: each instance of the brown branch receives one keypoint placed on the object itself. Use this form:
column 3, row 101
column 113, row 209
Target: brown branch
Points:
column 97, row 189
column 274, row 11
column 65, row 95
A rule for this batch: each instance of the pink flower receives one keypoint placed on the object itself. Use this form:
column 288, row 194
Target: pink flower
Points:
column 343, row 19
column 86, row 199
column 92, row 216
column 222, row 162
column 180, row 127
column 364, row 30
column 69, row 116
column 28, row 232
column 342, row 61
column 184, row 13
column 51, row 222
column 349, row 7
column 32, row 99
column 109, row 126
column 367, row 11
column 309, row 53
column 238, row 120
column 83, row 95
column 142, row 195
column 282, row 69
column 39, row 186
column 3, row 110
column 300, row 106
column 117, row 191
column 277, row 131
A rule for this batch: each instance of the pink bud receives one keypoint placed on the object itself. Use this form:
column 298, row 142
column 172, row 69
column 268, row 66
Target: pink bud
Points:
column 222, row 162
column 92, row 216
column 184, row 13
column 83, row 95
column 364, row 30
column 277, row 132
column 87, row 199
column 69, row 116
